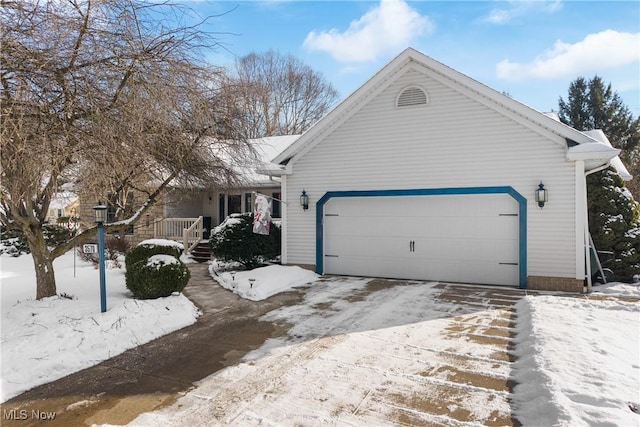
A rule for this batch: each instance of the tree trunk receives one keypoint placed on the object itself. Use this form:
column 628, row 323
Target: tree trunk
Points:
column 43, row 263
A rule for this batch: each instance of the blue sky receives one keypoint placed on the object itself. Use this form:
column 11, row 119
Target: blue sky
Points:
column 530, row 49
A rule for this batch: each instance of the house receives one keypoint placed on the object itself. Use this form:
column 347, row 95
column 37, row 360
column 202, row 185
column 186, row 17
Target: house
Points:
column 64, row 206
column 424, row 173
column 188, row 216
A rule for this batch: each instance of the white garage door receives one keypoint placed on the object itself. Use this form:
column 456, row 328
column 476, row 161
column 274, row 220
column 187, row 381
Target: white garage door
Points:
column 455, row 238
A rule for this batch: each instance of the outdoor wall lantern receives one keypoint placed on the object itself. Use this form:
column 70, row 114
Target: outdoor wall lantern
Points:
column 101, row 218
column 304, row 200
column 542, row 195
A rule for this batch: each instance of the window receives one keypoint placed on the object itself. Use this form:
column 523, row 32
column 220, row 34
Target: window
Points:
column 412, row 96
column 235, row 204
column 275, row 205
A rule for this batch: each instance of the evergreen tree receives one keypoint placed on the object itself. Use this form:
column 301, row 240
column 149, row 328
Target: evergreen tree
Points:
column 234, row 240
column 614, row 216
column 614, row 220
column 593, row 105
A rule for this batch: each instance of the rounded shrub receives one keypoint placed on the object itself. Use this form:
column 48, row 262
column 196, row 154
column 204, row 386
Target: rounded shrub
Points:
column 234, row 240
column 158, row 276
column 144, row 250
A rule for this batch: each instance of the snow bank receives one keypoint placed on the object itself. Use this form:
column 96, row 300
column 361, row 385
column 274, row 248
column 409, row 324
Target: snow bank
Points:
column 618, row 289
column 578, row 361
column 261, row 283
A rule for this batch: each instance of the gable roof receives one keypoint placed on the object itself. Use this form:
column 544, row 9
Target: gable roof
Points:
column 539, row 122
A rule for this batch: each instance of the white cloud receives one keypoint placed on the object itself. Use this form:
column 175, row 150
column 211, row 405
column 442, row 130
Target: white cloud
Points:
column 518, row 8
column 604, row 50
column 387, row 28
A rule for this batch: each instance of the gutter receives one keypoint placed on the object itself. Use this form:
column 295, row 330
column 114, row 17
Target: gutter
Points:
column 272, row 169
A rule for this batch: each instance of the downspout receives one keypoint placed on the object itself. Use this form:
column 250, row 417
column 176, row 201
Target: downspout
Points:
column 587, row 235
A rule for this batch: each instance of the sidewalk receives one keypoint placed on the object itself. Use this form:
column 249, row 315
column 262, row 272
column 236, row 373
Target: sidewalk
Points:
column 155, row 374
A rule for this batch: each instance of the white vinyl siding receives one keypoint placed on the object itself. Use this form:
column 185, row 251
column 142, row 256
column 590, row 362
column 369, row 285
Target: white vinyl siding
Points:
column 455, row 141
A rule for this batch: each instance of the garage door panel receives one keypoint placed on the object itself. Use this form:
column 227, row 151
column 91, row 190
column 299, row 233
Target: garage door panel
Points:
column 470, row 272
column 444, row 250
column 463, row 238
column 389, row 267
column 445, row 228
column 351, row 225
column 366, row 246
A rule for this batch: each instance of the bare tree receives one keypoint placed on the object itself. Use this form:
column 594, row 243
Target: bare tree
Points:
column 278, row 95
column 106, row 94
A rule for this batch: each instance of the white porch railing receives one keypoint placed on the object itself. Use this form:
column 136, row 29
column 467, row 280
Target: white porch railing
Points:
column 186, row 230
column 192, row 236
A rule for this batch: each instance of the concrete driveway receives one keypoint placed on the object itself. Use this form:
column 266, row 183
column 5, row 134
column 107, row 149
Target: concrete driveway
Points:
column 361, row 352
column 369, row 352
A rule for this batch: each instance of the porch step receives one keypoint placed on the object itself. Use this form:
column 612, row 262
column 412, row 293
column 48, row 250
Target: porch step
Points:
column 201, row 253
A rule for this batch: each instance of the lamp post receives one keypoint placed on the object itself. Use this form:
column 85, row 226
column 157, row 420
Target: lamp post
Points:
column 101, row 218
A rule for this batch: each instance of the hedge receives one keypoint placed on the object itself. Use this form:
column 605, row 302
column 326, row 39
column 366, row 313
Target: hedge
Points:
column 158, row 276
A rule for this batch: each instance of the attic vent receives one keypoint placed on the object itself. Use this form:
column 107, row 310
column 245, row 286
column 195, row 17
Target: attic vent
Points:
column 411, row 96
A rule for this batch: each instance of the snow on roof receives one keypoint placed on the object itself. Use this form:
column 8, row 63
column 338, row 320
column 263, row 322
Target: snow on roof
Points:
column 247, row 164
column 553, row 115
column 602, row 139
column 267, row 148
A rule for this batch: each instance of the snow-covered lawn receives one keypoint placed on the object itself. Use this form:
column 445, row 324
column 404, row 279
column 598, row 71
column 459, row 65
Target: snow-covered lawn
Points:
column 54, row 337
column 578, row 360
column 351, row 357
